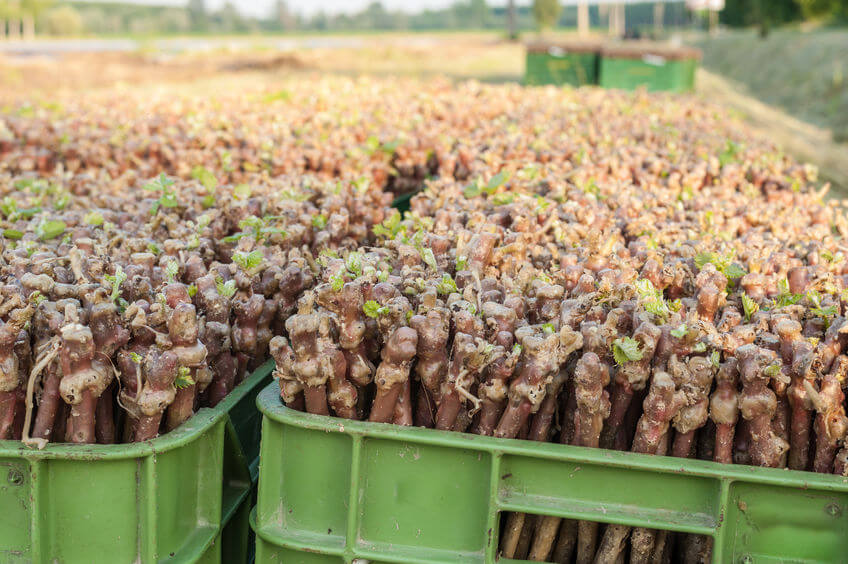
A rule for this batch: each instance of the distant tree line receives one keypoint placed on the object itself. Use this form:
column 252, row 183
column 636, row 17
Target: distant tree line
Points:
column 766, row 14
column 74, row 17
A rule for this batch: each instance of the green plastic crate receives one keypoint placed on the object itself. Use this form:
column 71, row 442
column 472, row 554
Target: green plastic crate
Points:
column 332, row 490
column 560, row 64
column 182, row 497
column 401, row 203
column 655, row 69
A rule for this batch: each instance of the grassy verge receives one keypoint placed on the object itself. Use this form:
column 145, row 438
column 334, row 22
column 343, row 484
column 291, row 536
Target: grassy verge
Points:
column 803, row 73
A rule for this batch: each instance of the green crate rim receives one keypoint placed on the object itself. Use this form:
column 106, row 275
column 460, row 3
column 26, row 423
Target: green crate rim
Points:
column 201, row 421
column 269, row 404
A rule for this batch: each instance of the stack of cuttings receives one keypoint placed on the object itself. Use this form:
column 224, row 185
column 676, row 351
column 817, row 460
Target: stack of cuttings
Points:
column 122, row 313
column 698, row 320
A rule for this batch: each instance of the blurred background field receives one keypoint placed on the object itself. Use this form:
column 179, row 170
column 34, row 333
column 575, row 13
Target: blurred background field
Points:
column 781, row 64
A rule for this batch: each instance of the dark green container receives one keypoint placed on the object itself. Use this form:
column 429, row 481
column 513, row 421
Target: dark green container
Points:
column 332, row 491
column 402, row 203
column 182, row 497
column 574, row 64
column 655, row 68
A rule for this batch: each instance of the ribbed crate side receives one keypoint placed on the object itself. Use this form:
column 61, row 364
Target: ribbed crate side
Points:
column 628, row 495
column 268, row 552
column 188, row 492
column 16, row 492
column 307, row 482
column 420, row 495
column 772, row 523
column 405, row 488
column 88, row 511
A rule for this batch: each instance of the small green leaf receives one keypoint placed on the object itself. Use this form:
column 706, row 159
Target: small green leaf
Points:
column 446, row 285
column 184, row 379
column 730, row 153
column 135, row 357
column 773, row 370
column 503, row 199
column 516, row 349
column 161, row 182
column 234, row 238
column 372, row 144
column 13, row 234
column 749, row 306
column 203, row 222
column 548, row 328
column 319, row 221
column 700, row 347
column 461, row 262
column 93, row 218
column 226, row 289
column 248, row 261
column 715, row 359
column 497, row 181
column 205, row 177
column 703, row 258
column 785, row 297
column 337, row 282
column 50, row 229
column 626, row 349
column 353, row 263
column 390, row 227
column 116, row 281
column 192, row 290
column 242, row 192
column 734, row 271
column 651, row 299
column 36, row 298
column 472, row 190
column 9, row 207
column 373, row 310
column 172, row 269
column 30, row 212
column 680, row 331
column 429, row 258
column 361, row 185
column 62, row 201
column 389, row 147
column 168, row 200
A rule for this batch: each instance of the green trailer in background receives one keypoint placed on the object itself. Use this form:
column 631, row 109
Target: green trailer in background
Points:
column 629, row 66
column 572, row 63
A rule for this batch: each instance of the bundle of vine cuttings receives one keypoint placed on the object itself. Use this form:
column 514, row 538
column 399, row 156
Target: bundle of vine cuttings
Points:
column 123, row 313
column 595, row 268
column 698, row 321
